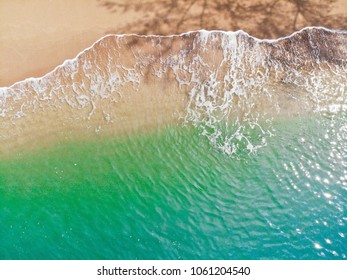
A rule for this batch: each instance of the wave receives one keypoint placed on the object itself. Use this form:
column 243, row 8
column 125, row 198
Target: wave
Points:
column 230, row 84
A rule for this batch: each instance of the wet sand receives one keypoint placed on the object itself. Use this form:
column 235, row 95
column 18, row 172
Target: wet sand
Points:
column 127, row 84
column 36, row 36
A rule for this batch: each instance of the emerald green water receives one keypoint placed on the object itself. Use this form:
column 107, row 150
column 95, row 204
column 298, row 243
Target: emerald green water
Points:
column 170, row 195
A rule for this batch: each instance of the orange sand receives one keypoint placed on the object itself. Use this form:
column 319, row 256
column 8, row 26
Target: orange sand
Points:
column 36, row 36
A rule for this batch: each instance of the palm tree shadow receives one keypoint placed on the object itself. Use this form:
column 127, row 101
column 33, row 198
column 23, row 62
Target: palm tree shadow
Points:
column 260, row 18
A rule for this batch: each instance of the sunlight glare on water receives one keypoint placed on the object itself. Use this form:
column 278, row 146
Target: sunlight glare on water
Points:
column 170, row 195
column 204, row 145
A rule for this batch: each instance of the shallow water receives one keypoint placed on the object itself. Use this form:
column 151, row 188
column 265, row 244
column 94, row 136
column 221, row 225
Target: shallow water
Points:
column 171, row 195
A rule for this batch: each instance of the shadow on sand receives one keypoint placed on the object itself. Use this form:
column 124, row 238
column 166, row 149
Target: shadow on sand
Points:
column 260, row 18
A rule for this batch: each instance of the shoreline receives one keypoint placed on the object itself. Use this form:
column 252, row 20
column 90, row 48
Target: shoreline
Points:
column 126, row 84
column 51, row 32
column 210, row 32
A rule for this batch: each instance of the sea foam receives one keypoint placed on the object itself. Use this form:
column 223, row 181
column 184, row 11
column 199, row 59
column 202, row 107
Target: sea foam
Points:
column 233, row 83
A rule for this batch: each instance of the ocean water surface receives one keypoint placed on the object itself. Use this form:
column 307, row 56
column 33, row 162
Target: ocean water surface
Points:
column 204, row 145
column 169, row 195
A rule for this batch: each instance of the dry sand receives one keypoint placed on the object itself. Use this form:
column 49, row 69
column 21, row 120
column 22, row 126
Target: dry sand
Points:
column 36, row 35
column 127, row 84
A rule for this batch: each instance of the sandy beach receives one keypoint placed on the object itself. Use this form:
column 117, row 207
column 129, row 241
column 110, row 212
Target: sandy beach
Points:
column 36, row 36
column 221, row 137
column 127, row 84
column 120, row 86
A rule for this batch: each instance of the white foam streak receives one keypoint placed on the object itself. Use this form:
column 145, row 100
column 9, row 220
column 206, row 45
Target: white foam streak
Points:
column 236, row 83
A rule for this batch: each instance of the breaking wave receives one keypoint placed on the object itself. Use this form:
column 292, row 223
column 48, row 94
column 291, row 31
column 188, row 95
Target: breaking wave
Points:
column 232, row 84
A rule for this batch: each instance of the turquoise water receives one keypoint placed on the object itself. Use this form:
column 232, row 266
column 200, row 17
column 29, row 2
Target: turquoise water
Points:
column 169, row 195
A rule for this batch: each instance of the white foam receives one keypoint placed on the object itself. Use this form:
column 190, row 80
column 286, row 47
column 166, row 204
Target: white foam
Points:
column 233, row 81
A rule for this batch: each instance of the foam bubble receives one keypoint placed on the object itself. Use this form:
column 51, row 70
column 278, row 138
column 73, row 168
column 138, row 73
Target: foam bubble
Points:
column 236, row 84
